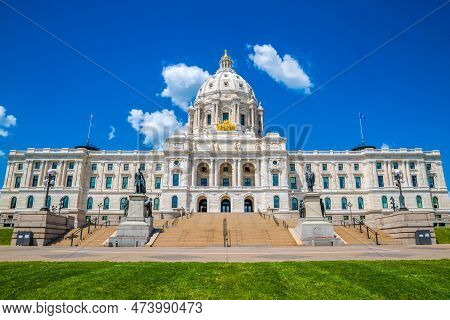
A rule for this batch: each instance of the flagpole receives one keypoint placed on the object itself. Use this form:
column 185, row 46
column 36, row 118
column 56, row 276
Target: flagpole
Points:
column 89, row 130
column 361, row 128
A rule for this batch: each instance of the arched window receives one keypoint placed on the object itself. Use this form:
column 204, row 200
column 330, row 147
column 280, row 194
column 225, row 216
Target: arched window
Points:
column 401, row 201
column 294, row 204
column 106, row 204
column 90, row 203
column 384, row 203
column 156, row 204
column 65, row 202
column 344, row 203
column 174, row 202
column 123, row 202
column 13, row 203
column 30, row 202
column 327, row 204
column 360, row 203
column 48, row 202
column 435, row 203
column 276, row 202
column 419, row 202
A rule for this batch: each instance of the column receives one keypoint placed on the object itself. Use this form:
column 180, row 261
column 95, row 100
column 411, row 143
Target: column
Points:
column 193, row 173
column 239, row 172
column 389, row 173
column 8, row 176
column 258, row 174
column 375, row 174
column 211, row 173
column 235, row 173
column 405, row 173
column 216, row 172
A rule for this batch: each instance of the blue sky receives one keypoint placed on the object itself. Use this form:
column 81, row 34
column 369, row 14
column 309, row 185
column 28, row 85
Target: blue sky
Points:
column 403, row 88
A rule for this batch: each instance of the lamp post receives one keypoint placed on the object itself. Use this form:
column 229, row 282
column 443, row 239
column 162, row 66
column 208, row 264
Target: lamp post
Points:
column 398, row 177
column 100, row 205
column 49, row 182
column 350, row 205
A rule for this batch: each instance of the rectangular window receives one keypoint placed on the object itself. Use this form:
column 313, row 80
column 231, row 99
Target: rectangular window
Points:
column 37, row 165
column 94, row 167
column 208, row 119
column 92, row 183
column 124, row 182
column 293, row 182
column 275, row 180
column 126, row 167
column 340, row 167
column 158, row 167
column 142, row 166
column 380, row 181
column 324, row 167
column 358, row 182
column 308, row 166
column 71, row 165
column 429, row 166
column 55, row 165
column 226, row 182
column 395, row 165
column 414, row 181
column 247, row 182
column 69, row 181
column 110, row 166
column 204, row 182
column 108, row 184
column 158, row 183
column 292, row 167
column 342, row 182
column 17, row 182
column 34, row 183
column 412, row 165
column 20, row 166
column 242, row 120
column 176, row 179
column 431, row 182
column 105, row 218
column 225, row 116
column 326, row 182
column 378, row 165
column 356, row 166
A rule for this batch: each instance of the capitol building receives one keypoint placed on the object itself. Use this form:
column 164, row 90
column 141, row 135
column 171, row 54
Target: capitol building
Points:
column 224, row 162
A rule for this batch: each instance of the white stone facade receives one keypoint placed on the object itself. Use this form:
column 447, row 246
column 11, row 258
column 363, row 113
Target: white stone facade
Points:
column 234, row 169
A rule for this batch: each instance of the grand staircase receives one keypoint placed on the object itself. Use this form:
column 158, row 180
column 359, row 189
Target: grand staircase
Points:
column 359, row 234
column 225, row 229
column 88, row 236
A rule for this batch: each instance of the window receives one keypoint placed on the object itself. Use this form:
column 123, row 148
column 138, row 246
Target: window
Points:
column 126, row 167
column 208, row 119
column 123, row 202
column 157, row 182
column 30, row 202
column 20, row 166
column 108, row 184
column 419, row 202
column 174, row 202
column 294, row 204
column 204, row 169
column 225, row 116
column 340, row 167
column 89, row 203
column 92, row 183
column 435, row 203
column 324, row 167
column 226, row 182
column 204, row 182
column 156, row 204
column 429, row 166
column 37, row 165
column 124, row 182
column 71, row 165
column 247, row 169
column 412, row 165
column 94, row 167
column 308, row 166
column 414, row 181
column 358, row 182
column 360, row 203
column 342, row 182
column 48, row 201
column 401, row 200
column 13, row 203
column 356, row 166
column 242, row 120
column 326, row 182
column 110, row 166
column 106, row 204
column 69, row 181
column 17, row 182
column 176, row 179
column 395, row 165
column 276, row 202
column 345, row 218
column 225, row 169
column 104, row 218
column 34, row 183
column 378, row 165
column 327, row 203
column 384, row 202
column 158, row 167
column 275, row 180
column 65, row 202
column 292, row 167
column 380, row 181
column 344, row 203
column 293, row 182
column 247, row 182
column 142, row 166
column 55, row 165
column 431, row 182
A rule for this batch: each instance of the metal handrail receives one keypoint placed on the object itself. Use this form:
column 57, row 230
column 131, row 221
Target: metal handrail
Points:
column 368, row 229
column 226, row 240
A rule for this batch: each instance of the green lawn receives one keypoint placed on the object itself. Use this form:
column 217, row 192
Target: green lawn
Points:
column 442, row 235
column 424, row 279
column 5, row 237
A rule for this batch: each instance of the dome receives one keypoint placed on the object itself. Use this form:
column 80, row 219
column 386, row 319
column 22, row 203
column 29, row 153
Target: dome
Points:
column 226, row 81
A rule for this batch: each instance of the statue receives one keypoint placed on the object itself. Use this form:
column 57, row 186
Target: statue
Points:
column 126, row 206
column 301, row 209
column 310, row 179
column 322, row 207
column 139, row 182
column 394, row 207
column 149, row 207
column 237, row 146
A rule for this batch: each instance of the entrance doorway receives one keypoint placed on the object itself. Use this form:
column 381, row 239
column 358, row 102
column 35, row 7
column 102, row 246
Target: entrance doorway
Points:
column 203, row 205
column 225, row 206
column 248, row 205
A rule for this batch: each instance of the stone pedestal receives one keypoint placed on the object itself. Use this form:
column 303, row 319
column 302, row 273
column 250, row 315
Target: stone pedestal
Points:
column 134, row 230
column 314, row 230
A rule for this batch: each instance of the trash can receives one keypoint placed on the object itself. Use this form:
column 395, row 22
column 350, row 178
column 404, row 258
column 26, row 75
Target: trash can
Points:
column 423, row 237
column 24, row 238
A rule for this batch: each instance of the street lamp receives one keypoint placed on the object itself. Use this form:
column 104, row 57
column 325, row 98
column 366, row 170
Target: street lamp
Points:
column 100, row 205
column 49, row 182
column 350, row 205
column 398, row 177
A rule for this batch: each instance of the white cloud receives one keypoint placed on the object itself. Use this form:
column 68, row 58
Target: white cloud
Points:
column 6, row 121
column 384, row 146
column 286, row 70
column 112, row 133
column 156, row 126
column 2, row 154
column 182, row 83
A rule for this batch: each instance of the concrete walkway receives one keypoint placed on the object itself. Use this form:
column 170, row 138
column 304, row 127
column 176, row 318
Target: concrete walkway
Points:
column 234, row 254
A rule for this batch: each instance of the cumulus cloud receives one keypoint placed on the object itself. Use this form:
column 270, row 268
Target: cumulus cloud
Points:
column 182, row 83
column 6, row 121
column 156, row 127
column 286, row 70
column 2, row 154
column 112, row 133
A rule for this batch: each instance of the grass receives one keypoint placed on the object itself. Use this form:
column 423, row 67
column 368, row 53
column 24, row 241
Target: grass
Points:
column 5, row 237
column 407, row 279
column 442, row 235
